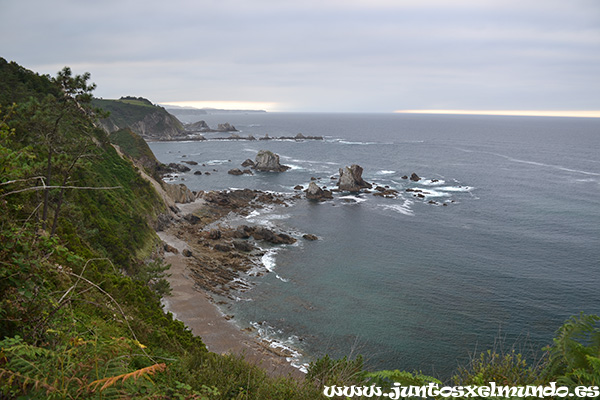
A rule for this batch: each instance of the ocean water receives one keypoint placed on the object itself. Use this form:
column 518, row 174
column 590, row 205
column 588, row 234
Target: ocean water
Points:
column 408, row 284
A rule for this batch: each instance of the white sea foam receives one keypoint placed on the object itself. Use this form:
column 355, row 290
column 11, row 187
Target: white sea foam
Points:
column 252, row 214
column 216, row 162
column 427, row 192
column 173, row 178
column 455, row 188
column 385, row 172
column 429, row 182
column 357, row 143
column 268, row 260
column 238, row 299
column 355, row 198
column 295, row 167
column 269, row 334
column 403, row 208
column 308, row 161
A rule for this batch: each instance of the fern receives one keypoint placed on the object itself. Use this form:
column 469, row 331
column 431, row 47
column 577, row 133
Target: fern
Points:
column 12, row 377
column 107, row 382
column 405, row 378
column 575, row 352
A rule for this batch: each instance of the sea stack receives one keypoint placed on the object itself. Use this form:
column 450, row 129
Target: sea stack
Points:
column 268, row 161
column 351, row 179
column 314, row 192
column 414, row 177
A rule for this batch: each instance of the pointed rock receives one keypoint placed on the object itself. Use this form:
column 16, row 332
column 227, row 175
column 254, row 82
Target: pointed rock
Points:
column 351, row 179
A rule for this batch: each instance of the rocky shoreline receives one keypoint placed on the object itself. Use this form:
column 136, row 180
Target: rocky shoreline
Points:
column 220, row 251
column 197, row 136
column 209, row 258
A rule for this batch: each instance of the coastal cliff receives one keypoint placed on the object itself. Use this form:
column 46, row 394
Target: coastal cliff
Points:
column 149, row 121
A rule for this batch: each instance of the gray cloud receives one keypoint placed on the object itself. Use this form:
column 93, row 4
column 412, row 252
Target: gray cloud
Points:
column 353, row 55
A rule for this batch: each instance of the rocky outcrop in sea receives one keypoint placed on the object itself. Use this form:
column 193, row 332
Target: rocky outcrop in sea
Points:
column 268, row 161
column 351, row 179
column 314, row 192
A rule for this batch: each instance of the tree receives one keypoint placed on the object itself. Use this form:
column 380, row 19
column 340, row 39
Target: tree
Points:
column 60, row 130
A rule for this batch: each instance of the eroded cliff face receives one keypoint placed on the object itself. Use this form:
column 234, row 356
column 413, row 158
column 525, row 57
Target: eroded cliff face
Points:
column 141, row 116
column 158, row 126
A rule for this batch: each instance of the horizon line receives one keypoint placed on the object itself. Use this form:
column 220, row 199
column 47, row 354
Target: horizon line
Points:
column 518, row 113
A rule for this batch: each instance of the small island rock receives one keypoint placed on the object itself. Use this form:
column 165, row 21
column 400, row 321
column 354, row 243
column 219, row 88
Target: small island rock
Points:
column 351, row 179
column 314, row 192
column 414, row 177
column 235, row 171
column 269, row 161
column 309, row 236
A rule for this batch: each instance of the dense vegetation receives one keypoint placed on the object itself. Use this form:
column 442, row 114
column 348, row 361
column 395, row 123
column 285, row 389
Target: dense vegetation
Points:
column 80, row 278
column 128, row 110
column 136, row 148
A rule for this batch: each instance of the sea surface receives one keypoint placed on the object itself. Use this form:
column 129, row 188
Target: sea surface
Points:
column 512, row 254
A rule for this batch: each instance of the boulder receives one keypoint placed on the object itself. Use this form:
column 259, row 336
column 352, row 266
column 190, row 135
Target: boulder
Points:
column 179, row 193
column 235, row 171
column 223, row 247
column 248, row 163
column 261, row 233
column 268, row 161
column 163, row 221
column 282, row 238
column 177, row 167
column 314, row 192
column 309, row 236
column 414, row 177
column 242, row 232
column 170, row 249
column 192, row 219
column 187, row 253
column 351, row 179
column 243, row 245
column 214, row 234
column 268, row 235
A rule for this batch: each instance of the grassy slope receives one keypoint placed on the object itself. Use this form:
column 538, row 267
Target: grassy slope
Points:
column 125, row 112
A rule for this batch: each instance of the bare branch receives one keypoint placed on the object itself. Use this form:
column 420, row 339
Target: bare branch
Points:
column 61, row 187
column 21, row 180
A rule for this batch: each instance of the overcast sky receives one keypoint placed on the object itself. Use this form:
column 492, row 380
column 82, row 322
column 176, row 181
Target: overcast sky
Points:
column 319, row 55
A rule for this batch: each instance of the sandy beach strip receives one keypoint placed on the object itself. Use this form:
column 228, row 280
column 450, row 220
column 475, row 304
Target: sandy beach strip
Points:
column 195, row 309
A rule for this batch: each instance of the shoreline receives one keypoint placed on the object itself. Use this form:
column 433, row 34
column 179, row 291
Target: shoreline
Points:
column 193, row 305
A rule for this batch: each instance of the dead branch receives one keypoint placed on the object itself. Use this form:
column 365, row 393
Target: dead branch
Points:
column 61, row 187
